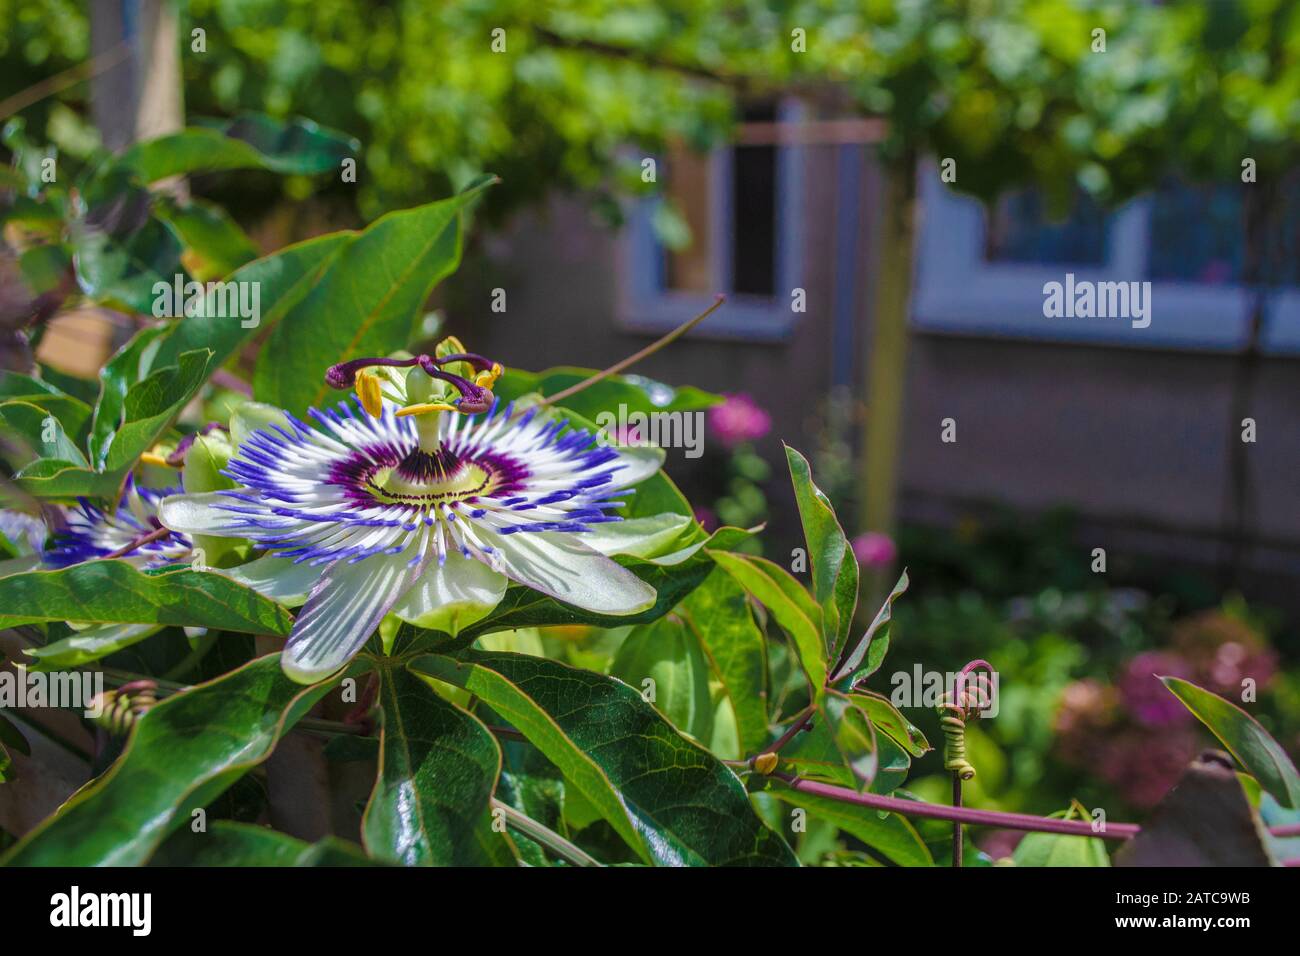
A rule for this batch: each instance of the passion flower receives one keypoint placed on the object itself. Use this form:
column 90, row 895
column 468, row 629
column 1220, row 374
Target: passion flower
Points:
column 423, row 496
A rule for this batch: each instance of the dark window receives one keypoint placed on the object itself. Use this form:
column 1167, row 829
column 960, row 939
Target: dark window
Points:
column 753, row 219
column 1020, row 230
column 1195, row 234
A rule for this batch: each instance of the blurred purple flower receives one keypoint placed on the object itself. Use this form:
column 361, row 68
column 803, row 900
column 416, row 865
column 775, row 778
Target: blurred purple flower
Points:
column 875, row 550
column 1143, row 765
column 707, row 519
column 1145, row 697
column 739, row 419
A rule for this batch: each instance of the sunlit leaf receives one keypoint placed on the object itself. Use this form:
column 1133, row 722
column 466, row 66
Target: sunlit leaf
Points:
column 181, row 754
column 437, row 769
column 1252, row 745
column 667, row 797
column 116, row 592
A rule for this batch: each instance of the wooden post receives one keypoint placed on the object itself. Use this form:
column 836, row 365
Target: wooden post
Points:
column 886, row 359
column 141, row 96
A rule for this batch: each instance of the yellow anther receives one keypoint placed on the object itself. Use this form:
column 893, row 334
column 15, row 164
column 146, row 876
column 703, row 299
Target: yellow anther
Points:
column 368, row 393
column 152, row 458
column 489, row 378
column 425, row 408
column 450, row 346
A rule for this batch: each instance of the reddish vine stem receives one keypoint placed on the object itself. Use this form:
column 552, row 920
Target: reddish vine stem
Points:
column 956, row 824
column 631, row 360
column 934, row 811
column 800, row 722
column 138, row 542
column 61, row 81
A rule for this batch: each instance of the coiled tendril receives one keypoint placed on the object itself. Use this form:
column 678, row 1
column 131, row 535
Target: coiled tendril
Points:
column 969, row 698
column 122, row 707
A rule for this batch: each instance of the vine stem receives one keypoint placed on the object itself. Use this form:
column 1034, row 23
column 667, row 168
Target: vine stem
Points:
column 956, row 824
column 800, row 722
column 61, row 81
column 138, row 542
column 544, row 835
column 934, row 811
column 631, row 360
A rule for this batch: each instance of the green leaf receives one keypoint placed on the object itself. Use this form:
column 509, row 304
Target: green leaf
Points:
column 227, row 843
column 215, row 244
column 890, row 834
column 1057, row 849
column 437, row 769
column 669, row 654
column 116, row 592
column 523, row 607
column 852, row 733
column 249, row 141
column 667, row 797
column 147, row 410
column 181, row 754
column 535, row 787
column 886, row 718
column 843, row 747
column 1252, row 745
column 366, row 303
column 71, row 412
column 28, row 422
column 813, row 754
column 834, row 566
column 873, row 645
column 91, row 644
column 719, row 614
column 122, row 267
column 282, row 280
column 126, row 369
column 787, row 601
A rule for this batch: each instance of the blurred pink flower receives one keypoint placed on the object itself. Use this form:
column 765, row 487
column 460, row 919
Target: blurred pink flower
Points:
column 875, row 550
column 1145, row 697
column 739, row 419
column 1234, row 662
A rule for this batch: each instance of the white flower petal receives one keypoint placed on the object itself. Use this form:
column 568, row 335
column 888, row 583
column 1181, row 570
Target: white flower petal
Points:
column 276, row 578
column 640, row 537
column 343, row 610
column 452, row 596
column 204, row 513
column 636, row 463
column 568, row 571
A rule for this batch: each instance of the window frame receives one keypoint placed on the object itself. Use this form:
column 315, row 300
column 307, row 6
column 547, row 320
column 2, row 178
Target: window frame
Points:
column 958, row 292
column 646, row 306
